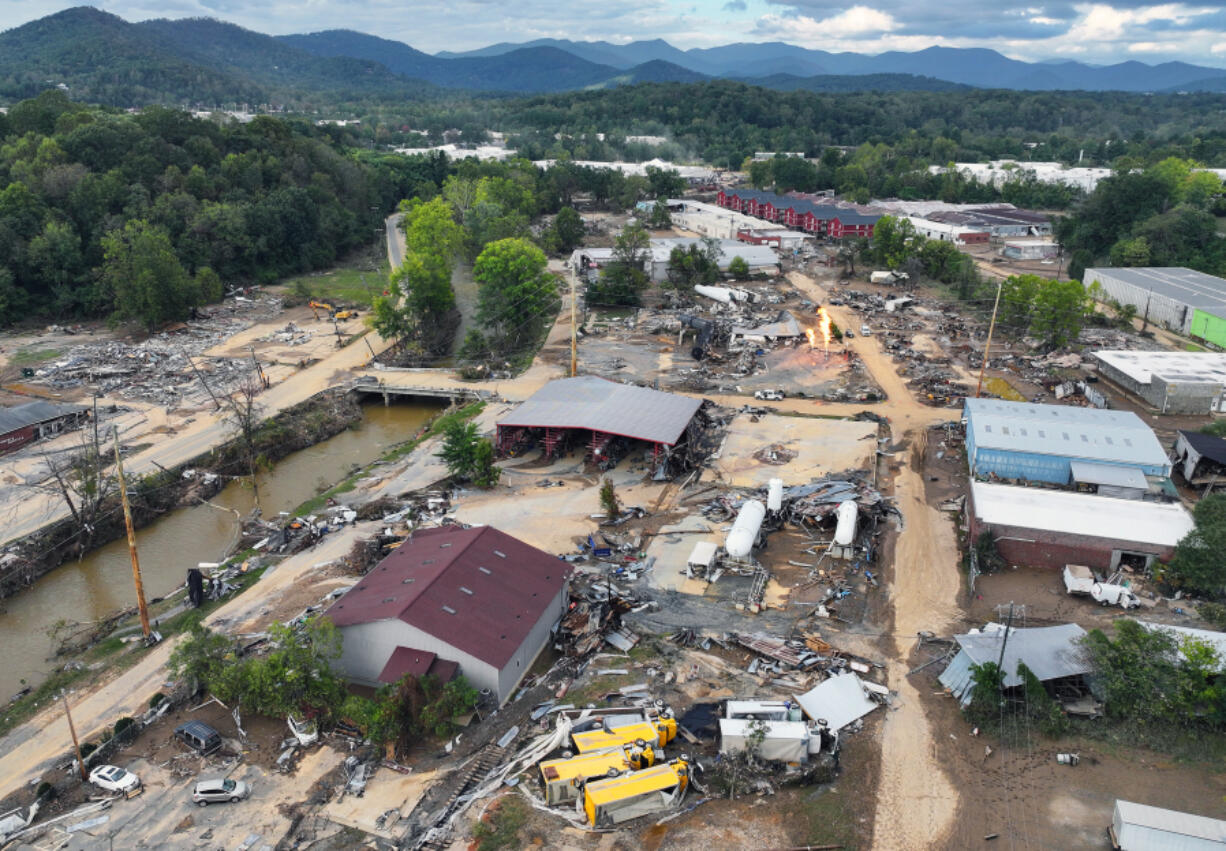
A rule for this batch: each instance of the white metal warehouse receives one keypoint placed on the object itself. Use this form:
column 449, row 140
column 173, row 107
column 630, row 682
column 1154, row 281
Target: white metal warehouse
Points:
column 1138, row 827
column 1168, row 296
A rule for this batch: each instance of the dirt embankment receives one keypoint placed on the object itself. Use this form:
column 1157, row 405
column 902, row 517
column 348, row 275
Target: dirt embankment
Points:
column 318, row 418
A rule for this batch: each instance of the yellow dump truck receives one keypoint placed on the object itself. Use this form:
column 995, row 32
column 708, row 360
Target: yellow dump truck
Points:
column 563, row 778
column 659, row 732
column 617, row 799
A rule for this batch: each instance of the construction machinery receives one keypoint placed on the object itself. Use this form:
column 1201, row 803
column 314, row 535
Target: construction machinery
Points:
column 317, row 306
column 605, row 733
column 564, row 778
column 614, row 800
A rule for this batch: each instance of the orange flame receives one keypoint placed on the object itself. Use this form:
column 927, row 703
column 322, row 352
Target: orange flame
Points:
column 823, row 325
column 812, row 338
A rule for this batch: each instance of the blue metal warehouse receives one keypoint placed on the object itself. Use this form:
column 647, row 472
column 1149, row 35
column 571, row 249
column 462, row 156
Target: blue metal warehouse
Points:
column 1042, row 443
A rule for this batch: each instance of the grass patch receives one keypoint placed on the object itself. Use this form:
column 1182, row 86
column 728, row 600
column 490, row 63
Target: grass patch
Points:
column 26, row 357
column 1192, row 347
column 354, row 283
column 501, row 825
column 1122, row 738
column 828, row 818
column 45, row 692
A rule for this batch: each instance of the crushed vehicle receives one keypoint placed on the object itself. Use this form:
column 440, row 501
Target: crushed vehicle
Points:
column 618, row 799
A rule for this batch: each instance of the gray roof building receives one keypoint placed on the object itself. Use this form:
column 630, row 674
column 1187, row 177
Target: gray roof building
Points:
column 1021, row 440
column 604, row 408
column 1050, row 652
column 1168, row 296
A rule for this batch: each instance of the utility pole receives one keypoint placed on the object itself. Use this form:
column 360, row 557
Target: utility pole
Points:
column 127, row 519
column 259, row 369
column 574, row 329
column 75, row 743
column 987, row 349
column 340, row 341
column 1145, row 318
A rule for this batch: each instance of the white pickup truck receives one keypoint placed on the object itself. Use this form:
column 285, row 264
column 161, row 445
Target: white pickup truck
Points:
column 1079, row 579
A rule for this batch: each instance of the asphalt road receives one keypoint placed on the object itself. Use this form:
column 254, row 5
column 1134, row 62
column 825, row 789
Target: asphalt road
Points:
column 395, row 240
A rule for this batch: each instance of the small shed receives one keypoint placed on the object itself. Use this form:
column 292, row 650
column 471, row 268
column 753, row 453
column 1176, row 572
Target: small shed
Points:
column 1201, row 458
column 1050, row 652
column 1140, row 827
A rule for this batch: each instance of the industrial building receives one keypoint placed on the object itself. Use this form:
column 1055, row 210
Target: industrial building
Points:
column 1000, row 172
column 1049, row 528
column 942, row 232
column 1138, row 827
column 24, row 424
column 1181, row 300
column 1052, row 653
column 1001, row 222
column 598, row 411
column 761, row 259
column 1041, row 443
column 474, row 600
column 1172, row 382
column 711, row 220
column 1029, row 249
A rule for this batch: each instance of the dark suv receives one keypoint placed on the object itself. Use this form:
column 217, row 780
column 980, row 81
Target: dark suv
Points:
column 198, row 736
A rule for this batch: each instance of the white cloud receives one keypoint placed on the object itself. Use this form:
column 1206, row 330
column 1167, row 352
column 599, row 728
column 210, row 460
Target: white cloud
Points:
column 856, row 21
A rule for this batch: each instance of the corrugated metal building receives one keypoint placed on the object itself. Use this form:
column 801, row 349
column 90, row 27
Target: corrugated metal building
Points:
column 1169, row 296
column 1139, row 827
column 1050, row 652
column 32, row 421
column 1039, row 443
column 1050, row 528
column 477, row 598
column 604, row 408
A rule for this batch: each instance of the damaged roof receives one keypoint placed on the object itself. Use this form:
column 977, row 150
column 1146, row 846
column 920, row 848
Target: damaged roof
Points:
column 1050, row 652
column 479, row 590
column 595, row 404
column 33, row 413
column 1208, row 446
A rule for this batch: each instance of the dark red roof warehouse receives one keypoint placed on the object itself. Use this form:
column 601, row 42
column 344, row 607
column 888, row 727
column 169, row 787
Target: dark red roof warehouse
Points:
column 479, row 590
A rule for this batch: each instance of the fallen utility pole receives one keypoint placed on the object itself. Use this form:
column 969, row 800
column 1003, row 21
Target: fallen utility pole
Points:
column 75, row 742
column 192, row 364
column 127, row 519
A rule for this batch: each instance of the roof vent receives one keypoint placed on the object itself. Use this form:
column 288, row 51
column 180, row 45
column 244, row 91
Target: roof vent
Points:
column 449, row 610
column 500, row 554
column 486, row 571
column 427, row 561
column 466, row 590
column 444, row 546
column 407, row 581
column 389, row 599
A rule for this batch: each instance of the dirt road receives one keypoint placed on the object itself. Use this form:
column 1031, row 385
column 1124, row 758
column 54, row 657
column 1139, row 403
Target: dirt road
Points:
column 38, row 508
column 916, row 801
column 26, row 752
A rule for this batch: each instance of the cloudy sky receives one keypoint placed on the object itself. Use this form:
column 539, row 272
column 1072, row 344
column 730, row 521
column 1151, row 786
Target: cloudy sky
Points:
column 1098, row 32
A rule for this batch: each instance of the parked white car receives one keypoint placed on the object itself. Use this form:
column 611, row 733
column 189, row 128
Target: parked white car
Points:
column 112, row 778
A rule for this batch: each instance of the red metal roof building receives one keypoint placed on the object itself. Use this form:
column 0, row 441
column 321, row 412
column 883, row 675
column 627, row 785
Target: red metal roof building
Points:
column 474, row 598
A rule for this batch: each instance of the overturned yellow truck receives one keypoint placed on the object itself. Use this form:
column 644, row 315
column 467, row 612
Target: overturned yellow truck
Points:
column 611, row 733
column 564, row 778
column 617, row 799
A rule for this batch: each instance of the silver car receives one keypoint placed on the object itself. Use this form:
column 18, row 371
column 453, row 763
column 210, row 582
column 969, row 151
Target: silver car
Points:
column 218, row 789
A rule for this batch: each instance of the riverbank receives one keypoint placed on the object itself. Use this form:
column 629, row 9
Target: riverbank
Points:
column 153, row 495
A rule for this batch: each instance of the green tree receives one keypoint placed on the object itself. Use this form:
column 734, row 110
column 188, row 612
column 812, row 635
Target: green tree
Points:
column 148, row 283
column 468, row 456
column 664, row 183
column 208, row 284
column 738, row 268
column 1198, row 564
column 201, row 657
column 430, row 229
column 568, row 230
column 608, row 499
column 1130, row 252
column 1060, row 310
column 517, row 298
column 660, row 217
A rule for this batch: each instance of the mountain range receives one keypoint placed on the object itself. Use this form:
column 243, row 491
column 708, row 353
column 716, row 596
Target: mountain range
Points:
column 103, row 58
